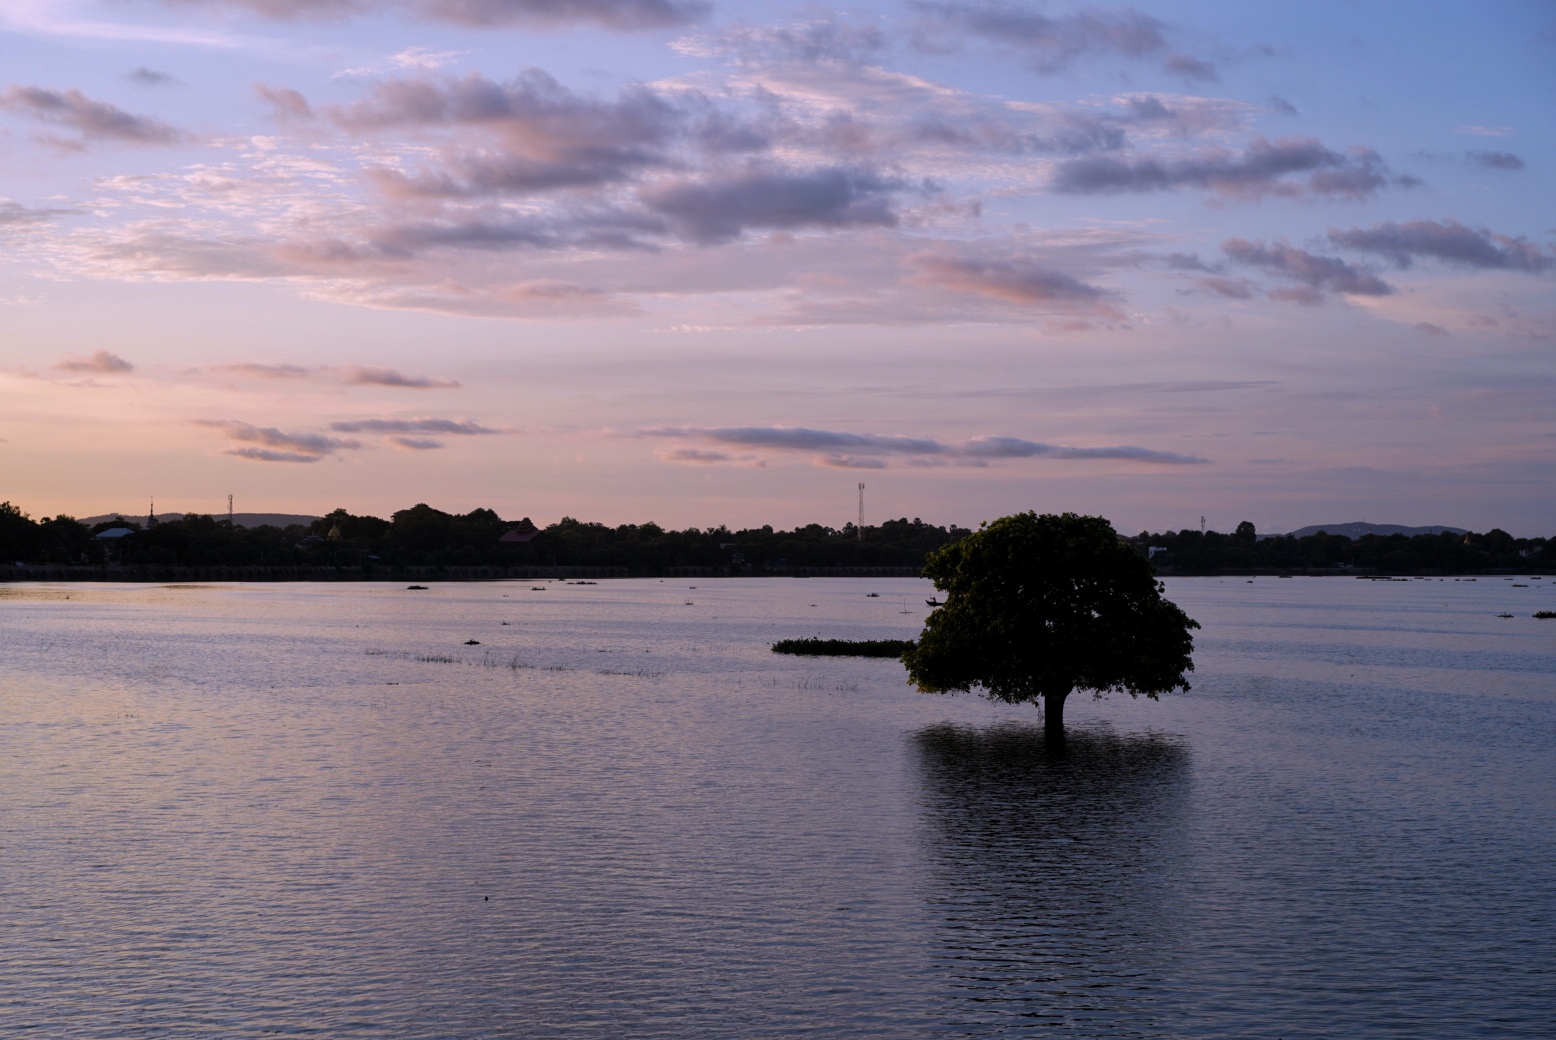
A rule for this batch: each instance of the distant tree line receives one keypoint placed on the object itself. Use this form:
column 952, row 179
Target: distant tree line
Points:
column 1210, row 552
column 422, row 536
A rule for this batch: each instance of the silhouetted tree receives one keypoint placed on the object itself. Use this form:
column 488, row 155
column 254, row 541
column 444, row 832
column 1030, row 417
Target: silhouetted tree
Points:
column 17, row 533
column 1039, row 606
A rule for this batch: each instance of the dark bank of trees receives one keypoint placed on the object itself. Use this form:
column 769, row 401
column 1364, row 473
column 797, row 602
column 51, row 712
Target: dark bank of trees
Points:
column 422, row 536
column 58, row 540
column 1211, row 552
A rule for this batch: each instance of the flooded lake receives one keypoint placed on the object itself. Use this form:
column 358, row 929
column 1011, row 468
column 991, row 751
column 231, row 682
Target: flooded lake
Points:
column 317, row 810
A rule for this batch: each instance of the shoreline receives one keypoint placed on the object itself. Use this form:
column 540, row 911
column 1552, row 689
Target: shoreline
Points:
column 155, row 573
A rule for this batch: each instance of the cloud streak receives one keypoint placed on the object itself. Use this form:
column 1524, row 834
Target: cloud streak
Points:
column 719, row 209
column 544, row 136
column 14, row 214
column 1023, row 281
column 268, row 444
column 93, row 120
column 871, row 451
column 1495, row 160
column 150, row 77
column 1313, row 274
column 99, row 362
column 258, row 371
column 358, row 375
column 1290, row 167
column 619, row 15
column 1050, row 44
column 351, row 375
column 461, row 427
column 1445, row 240
column 817, row 40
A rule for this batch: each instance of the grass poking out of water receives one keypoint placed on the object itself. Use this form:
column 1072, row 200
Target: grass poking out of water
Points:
column 843, row 647
column 816, row 682
column 1545, row 614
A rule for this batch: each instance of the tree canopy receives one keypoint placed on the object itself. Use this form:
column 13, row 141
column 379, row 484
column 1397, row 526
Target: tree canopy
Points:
column 1039, row 606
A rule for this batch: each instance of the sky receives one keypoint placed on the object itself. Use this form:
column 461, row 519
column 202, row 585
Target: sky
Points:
column 718, row 262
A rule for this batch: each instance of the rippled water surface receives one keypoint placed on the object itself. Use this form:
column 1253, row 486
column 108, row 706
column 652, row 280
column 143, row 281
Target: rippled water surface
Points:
column 314, row 810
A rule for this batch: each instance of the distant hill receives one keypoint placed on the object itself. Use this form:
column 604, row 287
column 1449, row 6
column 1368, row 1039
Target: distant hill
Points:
column 240, row 519
column 1360, row 528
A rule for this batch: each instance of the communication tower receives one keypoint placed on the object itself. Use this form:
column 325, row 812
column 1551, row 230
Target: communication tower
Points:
column 860, row 528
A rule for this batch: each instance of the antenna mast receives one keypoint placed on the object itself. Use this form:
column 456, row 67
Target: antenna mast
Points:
column 229, row 510
column 860, row 528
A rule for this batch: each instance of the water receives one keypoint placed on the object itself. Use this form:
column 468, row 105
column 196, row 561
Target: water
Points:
column 313, row 810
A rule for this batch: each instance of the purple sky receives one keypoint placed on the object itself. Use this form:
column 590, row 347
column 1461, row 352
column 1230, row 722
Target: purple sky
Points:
column 707, row 263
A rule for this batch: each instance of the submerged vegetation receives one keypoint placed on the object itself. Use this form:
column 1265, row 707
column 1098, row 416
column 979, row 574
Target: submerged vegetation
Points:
column 843, row 647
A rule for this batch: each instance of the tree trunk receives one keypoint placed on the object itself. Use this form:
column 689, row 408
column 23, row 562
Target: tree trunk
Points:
column 1053, row 717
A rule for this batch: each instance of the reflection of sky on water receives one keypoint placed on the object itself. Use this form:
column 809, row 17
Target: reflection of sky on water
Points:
column 240, row 811
column 1047, row 874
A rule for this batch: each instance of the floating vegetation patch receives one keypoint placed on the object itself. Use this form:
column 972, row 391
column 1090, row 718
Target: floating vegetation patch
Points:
column 436, row 659
column 641, row 673
column 813, row 647
column 1545, row 615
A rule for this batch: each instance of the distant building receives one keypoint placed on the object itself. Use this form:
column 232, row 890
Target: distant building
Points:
column 523, row 531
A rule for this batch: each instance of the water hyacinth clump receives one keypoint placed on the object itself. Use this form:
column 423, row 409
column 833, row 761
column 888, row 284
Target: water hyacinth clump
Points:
column 815, row 647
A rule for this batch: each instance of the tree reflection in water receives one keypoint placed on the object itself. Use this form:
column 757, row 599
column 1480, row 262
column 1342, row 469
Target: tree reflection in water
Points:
column 1051, row 874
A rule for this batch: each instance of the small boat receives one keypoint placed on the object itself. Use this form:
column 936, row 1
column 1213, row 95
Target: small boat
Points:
column 931, row 603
